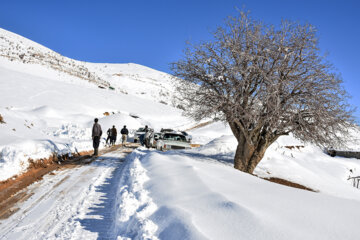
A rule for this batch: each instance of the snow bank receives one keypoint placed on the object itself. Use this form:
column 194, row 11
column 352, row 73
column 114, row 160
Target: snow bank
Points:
column 292, row 160
column 222, row 145
column 311, row 167
column 134, row 206
column 207, row 133
column 200, row 199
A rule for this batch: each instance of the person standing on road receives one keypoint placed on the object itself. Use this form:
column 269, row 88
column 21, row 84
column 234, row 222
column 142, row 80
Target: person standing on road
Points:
column 124, row 133
column 113, row 135
column 147, row 137
column 96, row 134
column 142, row 136
column 108, row 136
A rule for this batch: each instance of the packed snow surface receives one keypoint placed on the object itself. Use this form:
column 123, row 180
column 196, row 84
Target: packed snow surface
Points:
column 76, row 203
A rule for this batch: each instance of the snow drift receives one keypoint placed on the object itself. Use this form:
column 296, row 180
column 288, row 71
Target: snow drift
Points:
column 187, row 195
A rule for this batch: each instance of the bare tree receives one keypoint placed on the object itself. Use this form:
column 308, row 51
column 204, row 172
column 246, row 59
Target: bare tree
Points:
column 264, row 82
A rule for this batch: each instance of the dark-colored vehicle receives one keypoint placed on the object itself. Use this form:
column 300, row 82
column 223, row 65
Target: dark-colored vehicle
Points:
column 164, row 130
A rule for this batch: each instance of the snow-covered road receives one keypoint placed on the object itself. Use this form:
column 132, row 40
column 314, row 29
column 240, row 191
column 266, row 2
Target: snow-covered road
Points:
column 76, row 203
column 176, row 195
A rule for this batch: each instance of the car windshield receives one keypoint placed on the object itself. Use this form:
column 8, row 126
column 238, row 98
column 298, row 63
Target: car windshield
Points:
column 174, row 137
column 141, row 130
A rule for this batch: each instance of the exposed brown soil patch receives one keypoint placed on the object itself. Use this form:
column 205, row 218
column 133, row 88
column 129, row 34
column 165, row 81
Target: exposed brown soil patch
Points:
column 288, row 183
column 195, row 145
column 2, row 120
column 296, row 146
column 9, row 188
column 199, row 125
column 13, row 190
column 8, row 206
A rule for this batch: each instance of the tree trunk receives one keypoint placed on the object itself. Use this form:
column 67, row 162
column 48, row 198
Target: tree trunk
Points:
column 248, row 156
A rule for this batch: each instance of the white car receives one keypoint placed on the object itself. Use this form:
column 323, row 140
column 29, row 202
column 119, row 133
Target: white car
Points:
column 169, row 140
column 153, row 138
column 187, row 136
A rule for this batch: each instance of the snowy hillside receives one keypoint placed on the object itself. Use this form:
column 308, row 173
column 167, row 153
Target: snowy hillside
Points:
column 19, row 49
column 137, row 80
column 48, row 101
column 131, row 79
column 44, row 115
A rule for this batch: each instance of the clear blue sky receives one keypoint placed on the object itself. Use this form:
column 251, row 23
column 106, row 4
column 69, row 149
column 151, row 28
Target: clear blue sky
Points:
column 153, row 32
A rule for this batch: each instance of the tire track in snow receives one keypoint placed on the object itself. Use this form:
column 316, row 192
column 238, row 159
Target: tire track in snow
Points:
column 62, row 205
column 48, row 189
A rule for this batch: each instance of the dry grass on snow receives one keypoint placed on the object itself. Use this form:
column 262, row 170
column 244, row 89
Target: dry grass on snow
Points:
column 2, row 120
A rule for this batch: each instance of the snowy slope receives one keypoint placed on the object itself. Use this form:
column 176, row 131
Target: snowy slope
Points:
column 130, row 79
column 186, row 195
column 49, row 102
column 19, row 49
column 44, row 115
column 287, row 158
column 134, row 79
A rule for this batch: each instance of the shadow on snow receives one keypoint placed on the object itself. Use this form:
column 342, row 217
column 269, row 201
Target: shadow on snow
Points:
column 224, row 158
column 100, row 217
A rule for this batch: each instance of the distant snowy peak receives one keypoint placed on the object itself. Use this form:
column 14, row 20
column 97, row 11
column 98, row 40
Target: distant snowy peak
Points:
column 129, row 78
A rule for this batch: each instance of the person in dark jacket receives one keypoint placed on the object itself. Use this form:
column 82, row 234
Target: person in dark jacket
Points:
column 124, row 133
column 113, row 135
column 108, row 135
column 142, row 136
column 96, row 134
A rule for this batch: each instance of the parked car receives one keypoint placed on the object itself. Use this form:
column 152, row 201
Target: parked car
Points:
column 187, row 136
column 171, row 140
column 153, row 138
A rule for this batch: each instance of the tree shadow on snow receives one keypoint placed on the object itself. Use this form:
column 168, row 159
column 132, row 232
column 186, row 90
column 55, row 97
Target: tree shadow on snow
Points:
column 223, row 158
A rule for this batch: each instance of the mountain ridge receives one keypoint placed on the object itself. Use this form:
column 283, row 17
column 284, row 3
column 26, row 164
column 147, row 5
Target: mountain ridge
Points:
column 157, row 86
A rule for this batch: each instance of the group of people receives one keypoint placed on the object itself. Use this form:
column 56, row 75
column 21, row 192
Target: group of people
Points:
column 111, row 135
